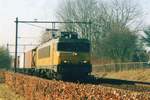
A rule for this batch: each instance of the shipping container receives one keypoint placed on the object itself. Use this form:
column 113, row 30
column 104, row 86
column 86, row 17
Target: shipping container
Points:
column 28, row 59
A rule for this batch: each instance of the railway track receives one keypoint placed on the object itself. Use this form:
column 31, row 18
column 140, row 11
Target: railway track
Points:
column 136, row 86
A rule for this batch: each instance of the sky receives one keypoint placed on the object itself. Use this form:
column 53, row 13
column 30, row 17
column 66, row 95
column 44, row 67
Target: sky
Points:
column 37, row 9
column 24, row 10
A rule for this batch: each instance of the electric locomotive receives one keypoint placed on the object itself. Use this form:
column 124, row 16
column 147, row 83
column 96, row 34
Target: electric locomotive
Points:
column 64, row 56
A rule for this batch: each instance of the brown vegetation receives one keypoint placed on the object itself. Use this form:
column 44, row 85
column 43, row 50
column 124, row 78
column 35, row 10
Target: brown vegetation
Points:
column 37, row 88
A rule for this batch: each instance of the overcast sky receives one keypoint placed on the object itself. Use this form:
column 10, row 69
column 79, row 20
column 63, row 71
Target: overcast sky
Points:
column 36, row 9
column 24, row 10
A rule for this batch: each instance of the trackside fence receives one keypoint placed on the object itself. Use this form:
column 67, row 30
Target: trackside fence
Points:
column 116, row 67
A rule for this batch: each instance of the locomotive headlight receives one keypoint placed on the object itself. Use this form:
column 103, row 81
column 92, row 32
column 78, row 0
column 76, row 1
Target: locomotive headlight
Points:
column 66, row 61
column 84, row 62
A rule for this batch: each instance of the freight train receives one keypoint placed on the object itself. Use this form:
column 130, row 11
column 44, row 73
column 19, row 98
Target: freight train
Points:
column 62, row 57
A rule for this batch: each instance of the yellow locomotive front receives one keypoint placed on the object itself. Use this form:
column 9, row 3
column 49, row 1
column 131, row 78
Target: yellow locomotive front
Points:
column 74, row 57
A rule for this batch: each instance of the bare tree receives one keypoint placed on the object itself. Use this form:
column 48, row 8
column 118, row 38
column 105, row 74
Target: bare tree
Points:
column 124, row 13
column 78, row 10
column 115, row 19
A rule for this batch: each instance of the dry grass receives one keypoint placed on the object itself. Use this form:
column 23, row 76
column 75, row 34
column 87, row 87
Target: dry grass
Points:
column 7, row 94
column 137, row 75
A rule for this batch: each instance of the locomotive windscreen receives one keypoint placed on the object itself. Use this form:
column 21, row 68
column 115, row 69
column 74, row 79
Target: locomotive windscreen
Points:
column 77, row 47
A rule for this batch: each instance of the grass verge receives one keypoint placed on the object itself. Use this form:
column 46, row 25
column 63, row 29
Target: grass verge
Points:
column 135, row 75
column 7, row 94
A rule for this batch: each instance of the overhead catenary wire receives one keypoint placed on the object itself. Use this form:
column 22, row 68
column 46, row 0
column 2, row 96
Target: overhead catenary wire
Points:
column 42, row 27
column 23, row 44
column 21, row 37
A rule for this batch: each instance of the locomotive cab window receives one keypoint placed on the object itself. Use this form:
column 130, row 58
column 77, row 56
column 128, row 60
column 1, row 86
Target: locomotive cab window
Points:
column 44, row 52
column 77, row 47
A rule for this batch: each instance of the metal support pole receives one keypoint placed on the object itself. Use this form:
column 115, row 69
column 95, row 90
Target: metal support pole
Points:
column 16, row 37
